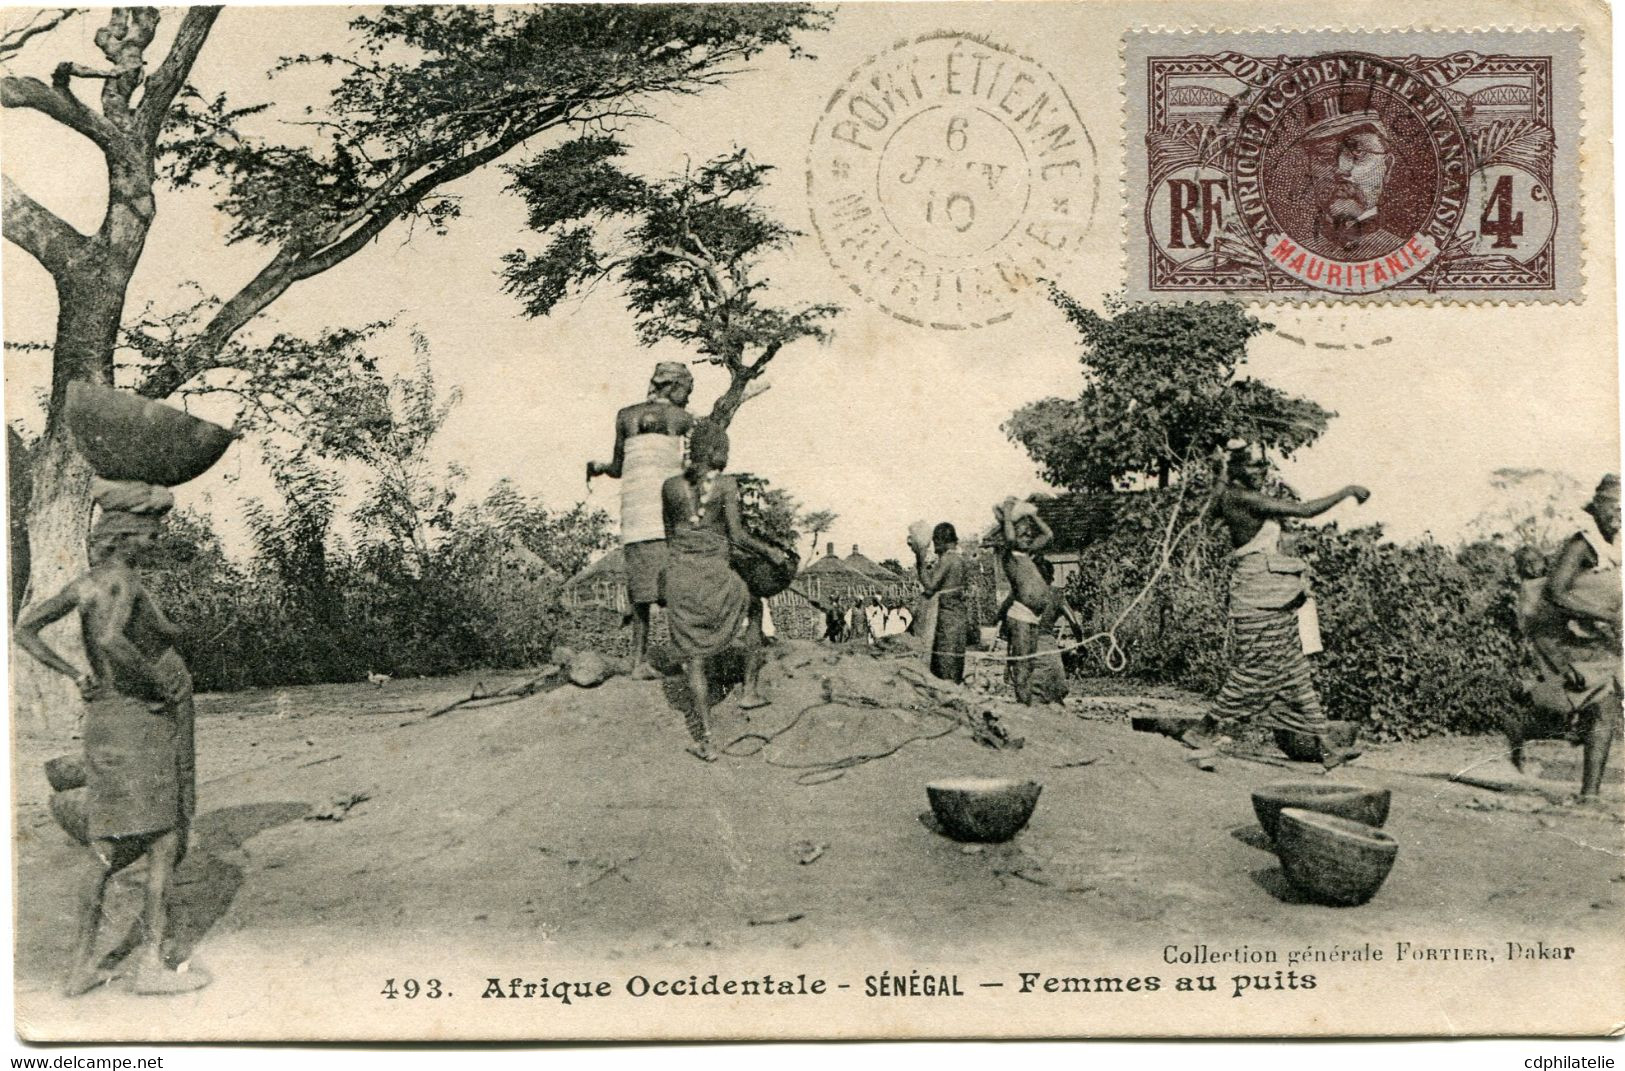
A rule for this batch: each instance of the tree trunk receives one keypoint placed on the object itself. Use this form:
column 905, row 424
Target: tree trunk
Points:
column 88, row 315
column 729, row 401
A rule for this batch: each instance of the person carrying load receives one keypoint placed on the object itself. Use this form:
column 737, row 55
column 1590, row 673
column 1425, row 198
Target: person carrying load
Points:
column 1022, row 536
column 140, row 769
column 648, row 452
column 1573, row 629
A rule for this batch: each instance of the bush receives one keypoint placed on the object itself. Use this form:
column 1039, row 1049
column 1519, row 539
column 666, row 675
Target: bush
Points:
column 480, row 599
column 1418, row 640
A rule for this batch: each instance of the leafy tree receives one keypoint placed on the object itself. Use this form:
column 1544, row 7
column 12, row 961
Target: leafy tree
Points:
column 768, row 511
column 1161, row 389
column 408, row 498
column 562, row 540
column 816, row 522
column 687, row 250
column 429, row 95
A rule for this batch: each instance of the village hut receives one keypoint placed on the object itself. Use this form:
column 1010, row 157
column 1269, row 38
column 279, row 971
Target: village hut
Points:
column 831, row 579
column 600, row 585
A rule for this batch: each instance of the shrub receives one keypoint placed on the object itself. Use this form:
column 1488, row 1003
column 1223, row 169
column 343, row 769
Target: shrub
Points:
column 1418, row 639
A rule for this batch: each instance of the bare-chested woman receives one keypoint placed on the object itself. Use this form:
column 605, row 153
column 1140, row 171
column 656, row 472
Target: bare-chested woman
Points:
column 1269, row 671
column 140, row 772
column 648, row 451
column 708, row 606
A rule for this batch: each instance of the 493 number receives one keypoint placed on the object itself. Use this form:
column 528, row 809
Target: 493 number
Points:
column 412, row 989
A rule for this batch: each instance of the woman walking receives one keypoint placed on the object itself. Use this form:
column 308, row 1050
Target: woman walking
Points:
column 708, row 606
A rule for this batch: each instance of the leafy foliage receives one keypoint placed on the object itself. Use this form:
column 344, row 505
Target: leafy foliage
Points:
column 408, row 501
column 815, row 522
column 309, row 609
column 434, row 91
column 1161, row 391
column 688, row 251
column 1418, row 639
column 770, row 512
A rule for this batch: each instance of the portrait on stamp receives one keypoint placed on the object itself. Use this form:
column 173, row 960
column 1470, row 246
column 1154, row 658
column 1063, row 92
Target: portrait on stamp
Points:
column 1343, row 173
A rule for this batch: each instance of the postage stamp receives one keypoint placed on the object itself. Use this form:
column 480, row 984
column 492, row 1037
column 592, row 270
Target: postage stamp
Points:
column 946, row 175
column 1353, row 166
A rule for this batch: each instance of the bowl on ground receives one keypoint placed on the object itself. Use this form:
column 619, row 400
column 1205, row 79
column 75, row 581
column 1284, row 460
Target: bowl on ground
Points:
column 65, row 772
column 983, row 810
column 1368, row 806
column 1334, row 860
column 70, row 811
column 1304, row 747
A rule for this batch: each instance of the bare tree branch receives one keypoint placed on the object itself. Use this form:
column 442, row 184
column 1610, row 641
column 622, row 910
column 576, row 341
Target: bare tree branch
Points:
column 13, row 40
column 60, row 105
column 171, row 74
column 38, row 230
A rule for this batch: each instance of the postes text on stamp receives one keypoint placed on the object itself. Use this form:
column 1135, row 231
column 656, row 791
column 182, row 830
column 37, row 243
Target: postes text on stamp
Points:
column 948, row 175
column 1354, row 170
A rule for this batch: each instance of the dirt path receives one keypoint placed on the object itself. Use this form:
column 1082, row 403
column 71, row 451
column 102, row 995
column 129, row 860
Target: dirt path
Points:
column 570, row 828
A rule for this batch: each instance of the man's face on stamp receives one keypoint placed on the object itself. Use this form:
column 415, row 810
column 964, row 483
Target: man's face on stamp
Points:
column 1348, row 173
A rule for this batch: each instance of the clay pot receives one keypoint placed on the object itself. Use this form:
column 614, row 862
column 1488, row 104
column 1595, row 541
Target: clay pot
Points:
column 69, row 810
column 65, row 772
column 1368, row 806
column 1331, row 859
column 127, row 437
column 1303, row 747
column 983, row 809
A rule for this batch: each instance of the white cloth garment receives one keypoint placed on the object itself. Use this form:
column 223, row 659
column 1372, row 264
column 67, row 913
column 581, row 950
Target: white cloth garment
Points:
column 647, row 463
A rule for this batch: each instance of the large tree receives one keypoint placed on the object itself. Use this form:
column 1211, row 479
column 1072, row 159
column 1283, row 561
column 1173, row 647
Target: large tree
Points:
column 428, row 95
column 688, row 251
column 1161, row 389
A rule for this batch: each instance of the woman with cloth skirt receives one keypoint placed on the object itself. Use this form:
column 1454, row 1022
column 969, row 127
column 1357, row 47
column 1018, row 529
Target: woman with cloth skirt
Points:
column 945, row 581
column 708, row 607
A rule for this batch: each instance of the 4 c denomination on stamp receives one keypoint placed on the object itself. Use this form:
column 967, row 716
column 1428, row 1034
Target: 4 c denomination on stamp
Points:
column 1353, row 166
column 948, row 175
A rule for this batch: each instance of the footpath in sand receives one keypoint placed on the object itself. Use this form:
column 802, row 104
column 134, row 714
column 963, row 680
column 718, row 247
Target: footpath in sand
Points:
column 345, row 839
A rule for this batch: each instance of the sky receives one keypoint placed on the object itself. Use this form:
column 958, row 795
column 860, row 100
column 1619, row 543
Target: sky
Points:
column 889, row 422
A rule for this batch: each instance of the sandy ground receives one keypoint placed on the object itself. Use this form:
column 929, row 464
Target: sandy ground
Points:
column 345, row 839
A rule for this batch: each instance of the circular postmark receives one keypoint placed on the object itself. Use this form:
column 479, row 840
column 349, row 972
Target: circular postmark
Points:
column 1351, row 172
column 948, row 175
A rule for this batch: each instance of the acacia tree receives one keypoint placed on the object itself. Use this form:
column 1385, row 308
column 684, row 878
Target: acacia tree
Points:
column 1161, row 389
column 816, row 522
column 687, row 250
column 428, row 95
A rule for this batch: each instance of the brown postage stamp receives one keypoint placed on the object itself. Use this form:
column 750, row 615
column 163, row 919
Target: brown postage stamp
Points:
column 1354, row 166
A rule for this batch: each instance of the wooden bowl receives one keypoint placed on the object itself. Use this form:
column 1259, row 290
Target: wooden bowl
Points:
column 69, row 810
column 983, row 809
column 1368, row 806
column 65, row 772
column 1303, row 747
column 1331, row 859
column 127, row 437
